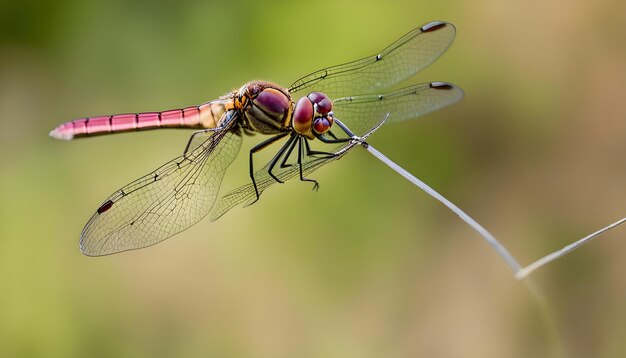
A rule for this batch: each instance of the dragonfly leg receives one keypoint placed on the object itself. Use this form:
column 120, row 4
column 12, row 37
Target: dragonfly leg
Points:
column 257, row 148
column 334, row 138
column 332, row 135
column 291, row 142
column 283, row 163
column 324, row 139
column 345, row 129
column 302, row 178
column 310, row 152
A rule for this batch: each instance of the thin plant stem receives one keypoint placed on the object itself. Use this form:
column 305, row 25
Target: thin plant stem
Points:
column 491, row 240
column 523, row 273
column 519, row 272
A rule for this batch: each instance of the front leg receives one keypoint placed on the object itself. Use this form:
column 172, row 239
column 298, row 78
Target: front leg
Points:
column 302, row 178
column 310, row 152
column 334, row 139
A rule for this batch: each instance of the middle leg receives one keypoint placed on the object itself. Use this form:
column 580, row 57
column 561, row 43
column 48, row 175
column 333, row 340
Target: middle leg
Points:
column 257, row 148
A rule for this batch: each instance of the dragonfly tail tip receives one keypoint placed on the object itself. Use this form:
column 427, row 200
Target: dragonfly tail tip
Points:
column 56, row 134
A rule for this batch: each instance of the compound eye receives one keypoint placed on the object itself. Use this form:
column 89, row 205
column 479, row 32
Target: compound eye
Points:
column 321, row 125
column 322, row 103
column 302, row 116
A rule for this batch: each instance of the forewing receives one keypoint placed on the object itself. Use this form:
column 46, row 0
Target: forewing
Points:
column 399, row 61
column 167, row 201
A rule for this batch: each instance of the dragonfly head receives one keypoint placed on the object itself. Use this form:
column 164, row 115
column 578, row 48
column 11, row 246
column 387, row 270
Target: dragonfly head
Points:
column 265, row 105
column 312, row 115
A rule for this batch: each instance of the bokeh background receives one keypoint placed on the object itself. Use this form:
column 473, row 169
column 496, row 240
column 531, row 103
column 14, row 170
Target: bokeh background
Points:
column 367, row 267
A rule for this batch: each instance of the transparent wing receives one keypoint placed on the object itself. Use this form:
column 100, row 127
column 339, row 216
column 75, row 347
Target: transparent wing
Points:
column 360, row 114
column 399, row 61
column 167, row 201
column 246, row 194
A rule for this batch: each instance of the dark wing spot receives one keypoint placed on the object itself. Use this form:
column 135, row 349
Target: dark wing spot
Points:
column 441, row 85
column 104, row 207
column 433, row 26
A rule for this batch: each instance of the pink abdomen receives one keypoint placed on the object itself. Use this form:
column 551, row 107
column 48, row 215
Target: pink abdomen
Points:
column 203, row 116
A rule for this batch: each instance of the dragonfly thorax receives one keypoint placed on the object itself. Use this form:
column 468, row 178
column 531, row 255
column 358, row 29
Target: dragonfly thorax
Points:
column 265, row 107
column 312, row 115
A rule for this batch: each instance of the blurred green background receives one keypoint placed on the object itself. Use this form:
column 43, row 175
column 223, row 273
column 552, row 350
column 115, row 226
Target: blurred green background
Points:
column 367, row 267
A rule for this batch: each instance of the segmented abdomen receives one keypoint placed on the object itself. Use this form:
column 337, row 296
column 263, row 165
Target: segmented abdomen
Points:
column 206, row 115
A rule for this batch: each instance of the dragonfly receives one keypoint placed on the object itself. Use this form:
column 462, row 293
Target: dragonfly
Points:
column 353, row 97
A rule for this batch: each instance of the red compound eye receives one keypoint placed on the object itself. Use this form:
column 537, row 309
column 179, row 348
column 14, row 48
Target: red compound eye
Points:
column 302, row 116
column 321, row 125
column 322, row 103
